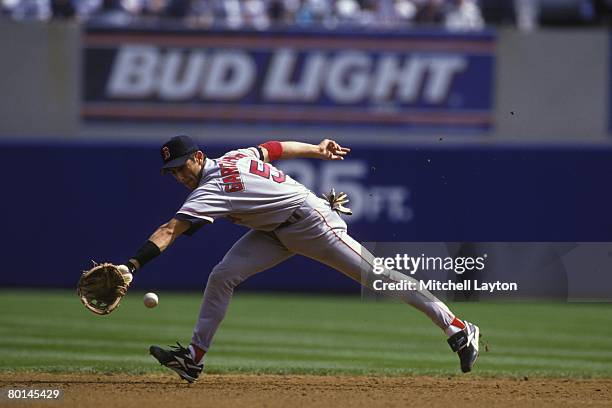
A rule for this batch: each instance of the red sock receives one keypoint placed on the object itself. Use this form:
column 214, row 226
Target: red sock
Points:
column 196, row 353
column 458, row 323
column 455, row 327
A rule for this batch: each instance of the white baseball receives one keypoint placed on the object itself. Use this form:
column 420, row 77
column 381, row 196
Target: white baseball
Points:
column 150, row 300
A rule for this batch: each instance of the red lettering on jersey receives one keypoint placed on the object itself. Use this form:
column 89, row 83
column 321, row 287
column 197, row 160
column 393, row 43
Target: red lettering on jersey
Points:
column 265, row 172
column 233, row 178
column 226, row 171
column 234, row 187
column 230, row 175
column 280, row 177
column 232, row 159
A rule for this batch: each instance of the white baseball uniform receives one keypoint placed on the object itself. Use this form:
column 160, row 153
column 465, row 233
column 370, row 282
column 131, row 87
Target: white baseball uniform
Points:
column 285, row 219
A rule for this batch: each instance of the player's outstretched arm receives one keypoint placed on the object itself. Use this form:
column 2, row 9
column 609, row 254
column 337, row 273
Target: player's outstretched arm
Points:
column 103, row 286
column 161, row 239
column 326, row 150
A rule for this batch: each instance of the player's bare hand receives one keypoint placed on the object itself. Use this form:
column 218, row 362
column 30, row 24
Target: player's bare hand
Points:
column 331, row 150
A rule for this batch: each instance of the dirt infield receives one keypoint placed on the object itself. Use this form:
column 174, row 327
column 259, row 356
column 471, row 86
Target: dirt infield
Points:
column 301, row 390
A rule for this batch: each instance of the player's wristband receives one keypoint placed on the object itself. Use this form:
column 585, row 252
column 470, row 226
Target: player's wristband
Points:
column 274, row 148
column 146, row 253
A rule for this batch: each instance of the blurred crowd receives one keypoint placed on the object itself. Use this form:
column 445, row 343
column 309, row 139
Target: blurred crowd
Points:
column 259, row 14
column 455, row 15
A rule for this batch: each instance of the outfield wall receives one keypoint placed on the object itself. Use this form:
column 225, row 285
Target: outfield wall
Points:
column 72, row 204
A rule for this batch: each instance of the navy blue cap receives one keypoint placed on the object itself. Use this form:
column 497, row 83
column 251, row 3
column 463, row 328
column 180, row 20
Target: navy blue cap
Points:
column 176, row 151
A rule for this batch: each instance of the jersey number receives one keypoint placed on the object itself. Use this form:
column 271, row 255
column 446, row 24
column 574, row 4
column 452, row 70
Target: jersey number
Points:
column 266, row 171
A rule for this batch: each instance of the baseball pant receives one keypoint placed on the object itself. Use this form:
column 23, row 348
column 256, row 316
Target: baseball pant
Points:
column 320, row 234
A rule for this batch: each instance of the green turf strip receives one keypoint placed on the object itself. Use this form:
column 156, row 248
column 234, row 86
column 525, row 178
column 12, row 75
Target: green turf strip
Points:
column 274, row 333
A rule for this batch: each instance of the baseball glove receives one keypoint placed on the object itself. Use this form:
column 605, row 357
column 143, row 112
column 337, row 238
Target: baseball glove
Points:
column 103, row 286
column 337, row 201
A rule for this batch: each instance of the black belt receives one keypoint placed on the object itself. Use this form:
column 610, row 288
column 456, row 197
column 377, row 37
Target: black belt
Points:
column 293, row 218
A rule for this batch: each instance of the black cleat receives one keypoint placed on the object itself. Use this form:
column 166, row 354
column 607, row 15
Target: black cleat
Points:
column 178, row 359
column 465, row 343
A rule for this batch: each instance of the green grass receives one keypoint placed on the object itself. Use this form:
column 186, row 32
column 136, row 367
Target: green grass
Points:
column 271, row 333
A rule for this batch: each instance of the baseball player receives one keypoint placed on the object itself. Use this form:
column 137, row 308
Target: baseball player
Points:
column 285, row 219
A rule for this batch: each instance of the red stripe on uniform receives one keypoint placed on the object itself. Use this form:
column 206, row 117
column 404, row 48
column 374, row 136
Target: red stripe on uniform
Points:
column 361, row 256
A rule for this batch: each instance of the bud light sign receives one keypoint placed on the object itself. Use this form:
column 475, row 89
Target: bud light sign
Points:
column 414, row 80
